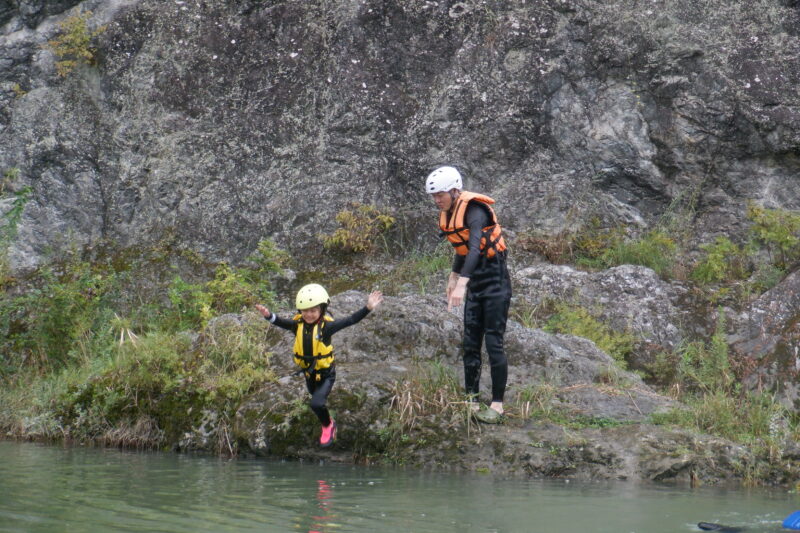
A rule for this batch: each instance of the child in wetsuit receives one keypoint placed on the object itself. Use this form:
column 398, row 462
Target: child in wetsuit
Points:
column 313, row 351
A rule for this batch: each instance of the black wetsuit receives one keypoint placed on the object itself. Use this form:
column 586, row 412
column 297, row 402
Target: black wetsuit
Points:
column 485, row 306
column 320, row 389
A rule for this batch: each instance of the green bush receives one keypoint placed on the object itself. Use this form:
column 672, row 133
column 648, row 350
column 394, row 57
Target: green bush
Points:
column 723, row 261
column 361, row 225
column 574, row 320
column 169, row 380
column 715, row 404
column 73, row 45
column 705, row 367
column 269, row 259
column 231, row 290
column 66, row 317
column 421, row 270
column 778, row 230
column 655, row 250
column 747, row 418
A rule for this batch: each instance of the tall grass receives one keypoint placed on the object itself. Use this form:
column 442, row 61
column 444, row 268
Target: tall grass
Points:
column 716, row 404
column 421, row 271
column 425, row 406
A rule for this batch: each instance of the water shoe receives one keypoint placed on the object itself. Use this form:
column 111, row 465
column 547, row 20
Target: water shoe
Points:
column 328, row 434
column 488, row 415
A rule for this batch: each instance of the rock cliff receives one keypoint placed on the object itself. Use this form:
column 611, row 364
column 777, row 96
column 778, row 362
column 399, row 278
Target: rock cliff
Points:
column 214, row 125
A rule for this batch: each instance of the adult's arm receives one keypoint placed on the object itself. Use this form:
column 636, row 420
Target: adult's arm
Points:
column 476, row 218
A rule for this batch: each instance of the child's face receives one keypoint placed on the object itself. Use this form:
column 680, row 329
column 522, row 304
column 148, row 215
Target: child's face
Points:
column 311, row 314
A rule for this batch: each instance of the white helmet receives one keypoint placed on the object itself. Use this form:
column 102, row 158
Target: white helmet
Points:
column 442, row 180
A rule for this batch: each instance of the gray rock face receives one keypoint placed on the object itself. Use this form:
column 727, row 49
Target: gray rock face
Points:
column 630, row 299
column 32, row 12
column 218, row 121
column 767, row 336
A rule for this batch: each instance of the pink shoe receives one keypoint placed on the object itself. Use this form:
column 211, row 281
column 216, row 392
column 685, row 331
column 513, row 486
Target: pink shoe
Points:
column 328, row 434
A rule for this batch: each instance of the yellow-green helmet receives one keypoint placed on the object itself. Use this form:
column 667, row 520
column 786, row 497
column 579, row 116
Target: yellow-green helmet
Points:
column 311, row 295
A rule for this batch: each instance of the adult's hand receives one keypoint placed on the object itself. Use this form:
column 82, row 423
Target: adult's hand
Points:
column 451, row 285
column 263, row 310
column 456, row 296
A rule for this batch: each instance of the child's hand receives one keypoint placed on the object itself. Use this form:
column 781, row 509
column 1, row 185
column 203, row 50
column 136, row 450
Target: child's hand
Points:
column 263, row 310
column 374, row 300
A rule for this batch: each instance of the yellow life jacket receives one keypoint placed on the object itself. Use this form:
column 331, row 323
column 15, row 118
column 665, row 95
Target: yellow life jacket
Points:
column 453, row 227
column 322, row 356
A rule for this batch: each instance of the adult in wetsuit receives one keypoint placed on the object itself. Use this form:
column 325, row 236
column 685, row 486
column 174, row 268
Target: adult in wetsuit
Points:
column 479, row 278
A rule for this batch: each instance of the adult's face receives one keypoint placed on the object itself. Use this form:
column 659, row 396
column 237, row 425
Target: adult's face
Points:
column 443, row 200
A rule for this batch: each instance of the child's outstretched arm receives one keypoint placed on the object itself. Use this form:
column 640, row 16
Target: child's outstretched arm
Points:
column 275, row 319
column 264, row 311
column 374, row 300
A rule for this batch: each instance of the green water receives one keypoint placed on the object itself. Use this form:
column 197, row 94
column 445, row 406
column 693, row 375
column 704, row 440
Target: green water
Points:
column 52, row 488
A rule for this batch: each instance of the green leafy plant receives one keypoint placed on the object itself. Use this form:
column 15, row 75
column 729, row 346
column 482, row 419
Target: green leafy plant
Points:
column 778, row 230
column 12, row 217
column 708, row 386
column 655, row 250
column 361, row 225
column 231, row 289
column 705, row 367
column 269, row 258
column 723, row 261
column 421, row 270
column 73, row 45
column 575, row 320
column 9, row 177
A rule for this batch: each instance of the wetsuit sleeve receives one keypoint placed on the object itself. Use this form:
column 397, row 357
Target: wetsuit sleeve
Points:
column 284, row 323
column 338, row 325
column 476, row 218
column 458, row 262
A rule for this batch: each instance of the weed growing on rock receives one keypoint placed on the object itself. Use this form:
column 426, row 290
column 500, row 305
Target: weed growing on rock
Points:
column 9, row 222
column 420, row 271
column 778, row 230
column 600, row 248
column 73, row 45
column 536, row 401
column 655, row 250
column 361, row 226
column 575, row 320
column 422, row 405
column 708, row 386
column 724, row 261
column 19, row 92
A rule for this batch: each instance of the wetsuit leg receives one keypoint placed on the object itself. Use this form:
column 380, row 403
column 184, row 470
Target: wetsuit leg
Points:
column 495, row 316
column 319, row 391
column 473, row 340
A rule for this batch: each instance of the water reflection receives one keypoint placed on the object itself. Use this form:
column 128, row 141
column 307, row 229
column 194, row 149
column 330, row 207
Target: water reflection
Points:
column 325, row 519
column 48, row 488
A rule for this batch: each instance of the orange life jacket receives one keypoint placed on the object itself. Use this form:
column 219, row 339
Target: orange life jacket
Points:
column 453, row 227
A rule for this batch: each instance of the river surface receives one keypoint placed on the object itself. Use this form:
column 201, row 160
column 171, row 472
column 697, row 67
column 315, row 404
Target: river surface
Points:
column 45, row 488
